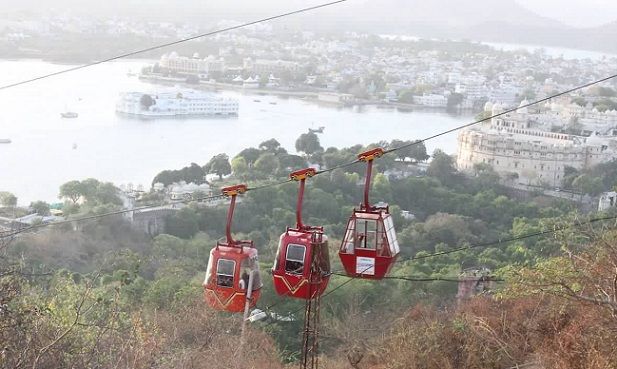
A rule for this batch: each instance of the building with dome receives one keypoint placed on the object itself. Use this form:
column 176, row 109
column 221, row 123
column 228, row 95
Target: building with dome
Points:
column 518, row 146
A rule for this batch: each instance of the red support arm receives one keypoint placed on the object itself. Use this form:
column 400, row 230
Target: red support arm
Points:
column 232, row 192
column 301, row 176
column 368, row 157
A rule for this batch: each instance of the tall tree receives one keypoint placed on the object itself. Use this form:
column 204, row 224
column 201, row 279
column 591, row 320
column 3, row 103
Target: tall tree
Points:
column 219, row 165
column 273, row 146
column 239, row 167
column 8, row 199
column 40, row 207
column 71, row 190
column 250, row 154
column 442, row 167
column 267, row 164
column 308, row 143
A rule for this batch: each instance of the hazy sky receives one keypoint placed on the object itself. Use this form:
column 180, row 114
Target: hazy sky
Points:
column 580, row 13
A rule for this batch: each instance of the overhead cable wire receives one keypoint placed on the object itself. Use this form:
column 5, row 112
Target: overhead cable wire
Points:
column 511, row 239
column 422, row 279
column 160, row 46
column 9, row 234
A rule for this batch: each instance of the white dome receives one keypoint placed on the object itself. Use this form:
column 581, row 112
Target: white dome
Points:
column 522, row 107
column 497, row 108
column 488, row 106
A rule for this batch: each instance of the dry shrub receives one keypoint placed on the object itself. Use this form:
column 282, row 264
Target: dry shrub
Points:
column 199, row 338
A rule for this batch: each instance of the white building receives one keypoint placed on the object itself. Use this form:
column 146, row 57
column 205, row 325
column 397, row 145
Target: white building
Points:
column 516, row 149
column 185, row 191
column 169, row 104
column 431, row 100
column 194, row 65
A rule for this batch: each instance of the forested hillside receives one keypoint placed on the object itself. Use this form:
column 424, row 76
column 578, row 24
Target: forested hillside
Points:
column 101, row 294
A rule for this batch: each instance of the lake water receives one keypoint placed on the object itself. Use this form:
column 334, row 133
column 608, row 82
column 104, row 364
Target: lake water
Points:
column 122, row 150
column 554, row 52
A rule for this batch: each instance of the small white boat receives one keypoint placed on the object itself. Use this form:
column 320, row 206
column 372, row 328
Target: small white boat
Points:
column 5, row 141
column 69, row 114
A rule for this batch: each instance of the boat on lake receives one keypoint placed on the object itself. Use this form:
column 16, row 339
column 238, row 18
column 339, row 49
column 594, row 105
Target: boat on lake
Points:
column 171, row 104
column 69, row 115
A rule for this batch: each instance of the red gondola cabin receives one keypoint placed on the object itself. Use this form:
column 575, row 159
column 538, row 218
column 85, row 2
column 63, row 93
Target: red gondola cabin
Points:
column 302, row 265
column 227, row 278
column 232, row 280
column 369, row 248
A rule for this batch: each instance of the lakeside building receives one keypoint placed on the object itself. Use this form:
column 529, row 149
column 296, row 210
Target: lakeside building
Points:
column 169, row 104
column 194, row 65
column 271, row 67
column 431, row 100
column 515, row 147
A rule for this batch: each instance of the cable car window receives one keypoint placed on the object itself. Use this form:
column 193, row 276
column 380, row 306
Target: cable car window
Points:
column 295, row 259
column 225, row 272
column 349, row 237
column 209, row 274
column 366, row 233
column 391, row 232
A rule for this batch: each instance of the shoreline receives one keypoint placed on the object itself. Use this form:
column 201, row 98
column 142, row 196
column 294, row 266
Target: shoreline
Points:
column 312, row 96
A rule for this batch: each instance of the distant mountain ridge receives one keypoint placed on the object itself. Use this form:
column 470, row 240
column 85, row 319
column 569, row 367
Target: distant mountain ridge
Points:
column 482, row 20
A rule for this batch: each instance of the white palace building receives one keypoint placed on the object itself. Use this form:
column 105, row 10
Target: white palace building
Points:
column 521, row 147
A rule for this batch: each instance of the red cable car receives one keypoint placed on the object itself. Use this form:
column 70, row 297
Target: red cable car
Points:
column 369, row 248
column 232, row 280
column 302, row 264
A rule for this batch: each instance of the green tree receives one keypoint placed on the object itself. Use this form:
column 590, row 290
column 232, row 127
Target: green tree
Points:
column 89, row 188
column 409, row 149
column 267, row 164
column 40, row 207
column 8, row 199
column 442, row 167
column 219, row 165
column 291, row 162
column 308, row 143
column 239, row 167
column 587, row 184
column 106, row 193
column 183, row 224
column 71, row 190
column 272, row 146
column 146, row 101
column 251, row 155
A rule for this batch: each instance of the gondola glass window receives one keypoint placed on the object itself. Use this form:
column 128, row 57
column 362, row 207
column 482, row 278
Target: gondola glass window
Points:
column 295, row 259
column 368, row 233
column 225, row 273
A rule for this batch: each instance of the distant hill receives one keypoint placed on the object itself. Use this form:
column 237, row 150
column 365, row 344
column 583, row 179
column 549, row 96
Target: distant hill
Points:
column 482, row 20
